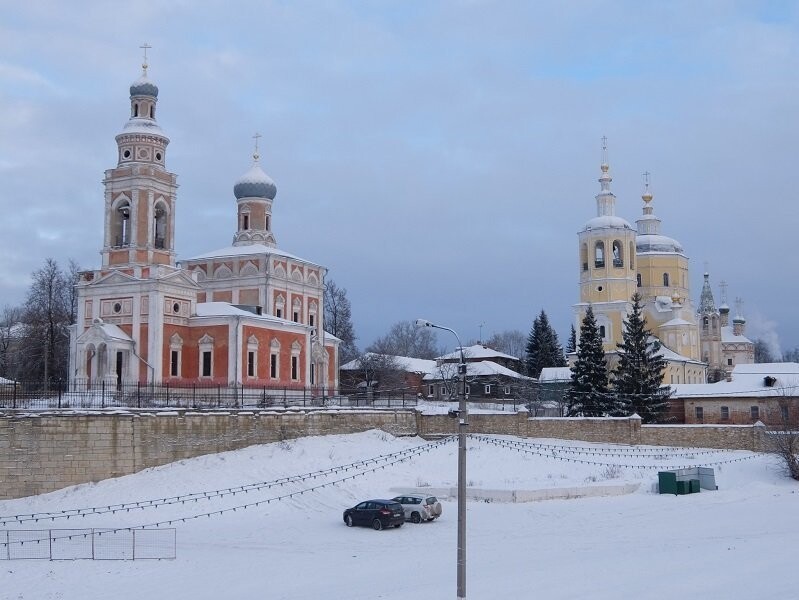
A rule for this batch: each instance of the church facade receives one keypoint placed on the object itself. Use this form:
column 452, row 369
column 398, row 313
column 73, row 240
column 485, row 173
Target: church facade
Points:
column 616, row 260
column 247, row 314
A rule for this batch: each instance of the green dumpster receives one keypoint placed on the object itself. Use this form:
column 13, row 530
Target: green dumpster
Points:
column 683, row 488
column 667, row 482
column 693, row 486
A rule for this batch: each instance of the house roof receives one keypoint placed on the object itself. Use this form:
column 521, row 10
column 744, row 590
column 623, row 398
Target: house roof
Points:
column 481, row 368
column 406, row 363
column 727, row 336
column 555, row 374
column 477, row 351
column 748, row 381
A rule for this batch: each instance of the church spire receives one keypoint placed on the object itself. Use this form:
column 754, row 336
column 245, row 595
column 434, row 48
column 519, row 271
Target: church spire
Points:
column 605, row 199
column 707, row 305
column 254, row 193
column 648, row 223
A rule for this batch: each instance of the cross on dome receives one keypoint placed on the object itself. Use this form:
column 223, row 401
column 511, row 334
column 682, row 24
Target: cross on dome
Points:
column 144, row 64
column 256, row 137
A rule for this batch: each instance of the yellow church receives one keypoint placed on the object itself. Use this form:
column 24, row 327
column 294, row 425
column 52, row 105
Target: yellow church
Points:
column 616, row 260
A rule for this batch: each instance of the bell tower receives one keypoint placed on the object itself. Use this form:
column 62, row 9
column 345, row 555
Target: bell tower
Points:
column 140, row 193
column 607, row 263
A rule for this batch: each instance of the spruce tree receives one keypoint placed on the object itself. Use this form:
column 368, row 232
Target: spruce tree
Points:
column 543, row 347
column 588, row 393
column 638, row 375
column 571, row 346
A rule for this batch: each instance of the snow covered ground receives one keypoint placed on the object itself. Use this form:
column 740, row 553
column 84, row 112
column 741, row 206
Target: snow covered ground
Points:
column 738, row 542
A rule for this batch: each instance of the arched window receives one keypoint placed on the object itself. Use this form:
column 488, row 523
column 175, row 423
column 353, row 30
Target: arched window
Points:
column 152, row 112
column 638, row 279
column 632, row 256
column 160, row 226
column 602, row 331
column 584, row 256
column 121, row 232
column 599, row 255
column 665, row 280
column 705, row 323
column 245, row 222
column 618, row 259
column 136, row 109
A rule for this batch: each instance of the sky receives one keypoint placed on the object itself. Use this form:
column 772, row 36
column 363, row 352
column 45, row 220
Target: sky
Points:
column 438, row 157
column 282, row 547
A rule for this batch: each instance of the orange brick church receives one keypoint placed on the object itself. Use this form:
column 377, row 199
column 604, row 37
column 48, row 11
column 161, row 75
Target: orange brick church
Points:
column 245, row 314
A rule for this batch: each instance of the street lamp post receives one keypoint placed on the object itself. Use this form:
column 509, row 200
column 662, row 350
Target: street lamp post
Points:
column 462, row 425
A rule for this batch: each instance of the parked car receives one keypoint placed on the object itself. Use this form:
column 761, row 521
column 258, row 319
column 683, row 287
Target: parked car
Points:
column 419, row 507
column 377, row 513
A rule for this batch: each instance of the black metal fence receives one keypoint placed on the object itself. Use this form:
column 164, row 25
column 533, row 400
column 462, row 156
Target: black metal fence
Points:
column 64, row 395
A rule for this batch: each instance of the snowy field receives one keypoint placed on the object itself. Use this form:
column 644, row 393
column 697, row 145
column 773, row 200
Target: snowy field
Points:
column 739, row 542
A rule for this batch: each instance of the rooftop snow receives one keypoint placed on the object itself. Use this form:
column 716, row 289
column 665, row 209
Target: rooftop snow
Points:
column 406, row 363
column 727, row 335
column 555, row 374
column 477, row 351
column 247, row 250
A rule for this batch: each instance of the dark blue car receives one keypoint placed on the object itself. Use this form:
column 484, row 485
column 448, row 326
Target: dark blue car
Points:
column 375, row 513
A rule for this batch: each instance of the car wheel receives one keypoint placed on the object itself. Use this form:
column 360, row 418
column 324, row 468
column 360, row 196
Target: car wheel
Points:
column 348, row 521
column 398, row 525
column 377, row 524
column 416, row 517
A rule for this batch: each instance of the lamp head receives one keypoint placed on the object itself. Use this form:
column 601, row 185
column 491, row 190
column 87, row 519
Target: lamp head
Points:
column 423, row 323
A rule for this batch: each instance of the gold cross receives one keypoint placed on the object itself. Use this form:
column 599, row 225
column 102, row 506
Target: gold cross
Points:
column 145, row 47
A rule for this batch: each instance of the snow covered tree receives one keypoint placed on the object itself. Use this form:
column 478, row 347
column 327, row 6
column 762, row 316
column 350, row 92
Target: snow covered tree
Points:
column 571, row 346
column 543, row 347
column 406, row 339
column 510, row 341
column 338, row 320
column 588, row 394
column 638, row 376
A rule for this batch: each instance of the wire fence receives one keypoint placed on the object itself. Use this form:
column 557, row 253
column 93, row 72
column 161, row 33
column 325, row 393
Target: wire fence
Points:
column 88, row 544
column 64, row 395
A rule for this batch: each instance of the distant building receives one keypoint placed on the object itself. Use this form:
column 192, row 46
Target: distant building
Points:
column 249, row 314
column 767, row 392
column 383, row 374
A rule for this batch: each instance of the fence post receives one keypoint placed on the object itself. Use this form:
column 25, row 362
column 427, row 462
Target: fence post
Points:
column 92, row 543
column 304, row 391
column 102, row 394
column 194, row 395
column 133, row 551
column 60, row 385
column 167, row 394
column 285, row 401
column 138, row 394
column 218, row 395
column 14, row 400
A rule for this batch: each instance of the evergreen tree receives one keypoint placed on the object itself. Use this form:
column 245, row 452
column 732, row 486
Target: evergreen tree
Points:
column 543, row 347
column 588, row 393
column 572, row 345
column 638, row 376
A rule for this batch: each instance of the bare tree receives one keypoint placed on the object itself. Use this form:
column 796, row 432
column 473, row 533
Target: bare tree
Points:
column 338, row 320
column 10, row 332
column 49, row 310
column 783, row 436
column 405, row 339
column 510, row 341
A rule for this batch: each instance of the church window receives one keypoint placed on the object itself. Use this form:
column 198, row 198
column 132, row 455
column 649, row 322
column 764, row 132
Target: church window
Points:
column 638, row 279
column 245, row 222
column 729, row 362
column 312, row 373
column 267, row 222
column 632, row 256
column 251, row 364
column 136, row 109
column 665, row 280
column 160, row 226
column 117, row 307
column 618, row 259
column 207, row 363
column 295, row 367
column 122, row 225
column 152, row 112
column 584, row 256
column 599, row 255
column 174, row 363
column 158, row 156
column 311, row 320
column 126, row 154
column 273, row 365
column 602, row 331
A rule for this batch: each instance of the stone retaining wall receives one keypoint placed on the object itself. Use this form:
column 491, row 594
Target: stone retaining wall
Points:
column 45, row 452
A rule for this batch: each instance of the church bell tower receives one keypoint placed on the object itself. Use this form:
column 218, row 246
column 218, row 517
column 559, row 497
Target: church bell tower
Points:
column 139, row 192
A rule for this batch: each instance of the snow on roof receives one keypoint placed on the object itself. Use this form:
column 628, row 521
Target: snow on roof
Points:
column 406, row 363
column 606, row 221
column 4, row 381
column 247, row 250
column 671, row 355
column 727, row 335
column 480, row 369
column 113, row 331
column 224, row 309
column 477, row 351
column 675, row 322
column 773, row 369
column 555, row 374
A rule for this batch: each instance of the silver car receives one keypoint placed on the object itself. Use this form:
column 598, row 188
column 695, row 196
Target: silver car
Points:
column 419, row 507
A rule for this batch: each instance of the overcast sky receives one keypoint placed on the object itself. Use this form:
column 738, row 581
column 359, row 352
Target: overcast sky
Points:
column 438, row 157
